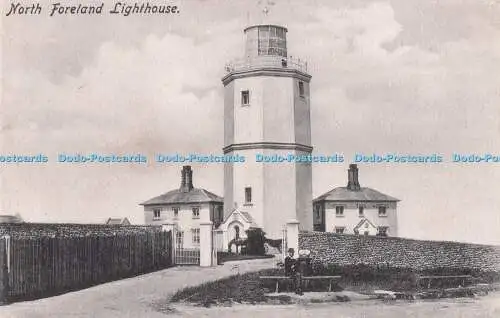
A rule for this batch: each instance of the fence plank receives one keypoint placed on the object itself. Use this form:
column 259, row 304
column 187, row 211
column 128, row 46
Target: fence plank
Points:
column 43, row 265
column 4, row 275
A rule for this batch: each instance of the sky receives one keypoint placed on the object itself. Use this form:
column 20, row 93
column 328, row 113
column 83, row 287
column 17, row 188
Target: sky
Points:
column 409, row 77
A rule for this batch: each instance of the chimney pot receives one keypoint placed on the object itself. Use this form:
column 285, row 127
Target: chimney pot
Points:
column 186, row 179
column 352, row 178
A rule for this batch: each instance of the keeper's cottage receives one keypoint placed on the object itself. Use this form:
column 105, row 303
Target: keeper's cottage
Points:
column 356, row 210
column 186, row 207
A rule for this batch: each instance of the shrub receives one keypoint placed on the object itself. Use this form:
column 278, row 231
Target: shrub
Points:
column 255, row 241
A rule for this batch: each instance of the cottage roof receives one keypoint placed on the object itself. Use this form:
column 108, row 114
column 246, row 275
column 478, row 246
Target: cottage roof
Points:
column 363, row 194
column 186, row 193
column 353, row 191
column 195, row 195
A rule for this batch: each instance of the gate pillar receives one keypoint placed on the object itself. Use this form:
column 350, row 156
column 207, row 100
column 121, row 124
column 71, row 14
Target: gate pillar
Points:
column 292, row 236
column 206, row 244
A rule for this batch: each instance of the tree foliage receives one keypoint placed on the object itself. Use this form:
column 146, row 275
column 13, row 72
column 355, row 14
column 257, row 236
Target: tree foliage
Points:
column 255, row 241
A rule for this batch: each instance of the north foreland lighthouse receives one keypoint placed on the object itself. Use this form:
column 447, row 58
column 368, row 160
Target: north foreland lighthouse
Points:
column 267, row 113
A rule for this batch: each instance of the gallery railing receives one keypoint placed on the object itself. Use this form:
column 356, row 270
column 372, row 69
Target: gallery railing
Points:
column 267, row 61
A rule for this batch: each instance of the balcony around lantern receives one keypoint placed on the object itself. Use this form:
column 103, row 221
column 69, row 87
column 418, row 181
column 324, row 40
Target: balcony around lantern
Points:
column 266, row 62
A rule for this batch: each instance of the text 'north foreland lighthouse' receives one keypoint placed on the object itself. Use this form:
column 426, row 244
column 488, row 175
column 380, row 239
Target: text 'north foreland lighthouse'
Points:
column 267, row 112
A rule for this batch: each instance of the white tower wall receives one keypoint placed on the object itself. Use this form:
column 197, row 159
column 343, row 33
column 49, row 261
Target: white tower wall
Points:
column 267, row 112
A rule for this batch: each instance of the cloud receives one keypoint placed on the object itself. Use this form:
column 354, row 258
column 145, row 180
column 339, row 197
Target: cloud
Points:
column 379, row 83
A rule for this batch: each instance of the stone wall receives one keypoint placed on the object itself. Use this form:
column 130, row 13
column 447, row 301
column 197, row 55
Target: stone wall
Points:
column 38, row 230
column 342, row 249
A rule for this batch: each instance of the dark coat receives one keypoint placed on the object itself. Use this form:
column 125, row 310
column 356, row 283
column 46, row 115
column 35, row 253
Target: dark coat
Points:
column 290, row 266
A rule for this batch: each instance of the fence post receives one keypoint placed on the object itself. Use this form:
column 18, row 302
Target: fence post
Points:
column 206, row 244
column 215, row 246
column 4, row 274
column 292, row 235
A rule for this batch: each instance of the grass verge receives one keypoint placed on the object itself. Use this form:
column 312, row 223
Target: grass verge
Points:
column 249, row 289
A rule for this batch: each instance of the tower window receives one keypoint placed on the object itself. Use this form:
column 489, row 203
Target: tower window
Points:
column 301, row 89
column 248, row 195
column 245, row 98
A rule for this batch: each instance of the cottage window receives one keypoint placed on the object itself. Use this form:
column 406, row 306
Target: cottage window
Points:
column 382, row 211
column 301, row 89
column 176, row 212
column 361, row 211
column 196, row 213
column 339, row 211
column 382, row 230
column 339, row 229
column 317, row 212
column 245, row 98
column 220, row 214
column 156, row 214
column 196, row 236
column 248, row 195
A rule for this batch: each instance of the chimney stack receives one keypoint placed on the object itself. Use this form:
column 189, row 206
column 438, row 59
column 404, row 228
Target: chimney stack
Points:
column 352, row 177
column 186, row 179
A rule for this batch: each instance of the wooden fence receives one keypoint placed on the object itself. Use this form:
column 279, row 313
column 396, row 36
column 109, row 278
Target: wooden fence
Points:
column 36, row 267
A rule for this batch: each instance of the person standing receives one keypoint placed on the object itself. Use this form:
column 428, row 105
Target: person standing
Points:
column 291, row 270
column 290, row 263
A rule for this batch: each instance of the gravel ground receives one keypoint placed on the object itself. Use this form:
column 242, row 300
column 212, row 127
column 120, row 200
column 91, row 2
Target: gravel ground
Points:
column 133, row 297
column 138, row 296
column 483, row 307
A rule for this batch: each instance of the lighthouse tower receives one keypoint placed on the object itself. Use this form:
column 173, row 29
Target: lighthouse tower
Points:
column 267, row 116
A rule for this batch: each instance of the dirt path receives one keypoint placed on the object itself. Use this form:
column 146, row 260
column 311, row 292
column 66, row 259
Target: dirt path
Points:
column 131, row 297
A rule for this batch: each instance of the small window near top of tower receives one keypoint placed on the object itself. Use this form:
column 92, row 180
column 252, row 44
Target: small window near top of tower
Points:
column 248, row 195
column 301, row 89
column 245, row 98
